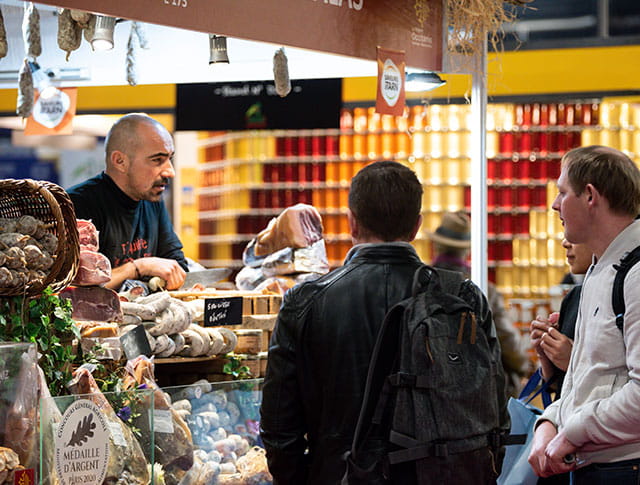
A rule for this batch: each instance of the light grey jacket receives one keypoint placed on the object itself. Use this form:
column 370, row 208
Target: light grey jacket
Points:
column 599, row 410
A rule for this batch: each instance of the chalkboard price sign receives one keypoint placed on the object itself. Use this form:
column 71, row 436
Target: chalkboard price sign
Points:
column 222, row 311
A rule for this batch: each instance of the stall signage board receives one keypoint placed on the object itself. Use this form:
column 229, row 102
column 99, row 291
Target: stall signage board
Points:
column 255, row 105
column 222, row 311
column 345, row 27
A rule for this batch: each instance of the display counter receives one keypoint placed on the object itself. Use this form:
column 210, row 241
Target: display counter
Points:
column 204, row 433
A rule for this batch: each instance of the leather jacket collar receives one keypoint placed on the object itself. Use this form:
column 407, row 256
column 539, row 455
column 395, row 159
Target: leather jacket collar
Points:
column 381, row 252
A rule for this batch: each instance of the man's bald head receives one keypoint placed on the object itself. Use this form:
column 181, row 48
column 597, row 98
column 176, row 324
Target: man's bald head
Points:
column 123, row 135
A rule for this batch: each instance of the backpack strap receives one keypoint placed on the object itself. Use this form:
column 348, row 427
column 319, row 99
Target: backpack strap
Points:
column 443, row 279
column 377, row 388
column 412, row 449
column 617, row 296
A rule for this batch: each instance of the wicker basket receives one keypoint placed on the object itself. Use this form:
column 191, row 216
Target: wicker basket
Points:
column 51, row 204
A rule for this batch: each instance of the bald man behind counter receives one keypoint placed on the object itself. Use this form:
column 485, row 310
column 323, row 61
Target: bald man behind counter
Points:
column 125, row 203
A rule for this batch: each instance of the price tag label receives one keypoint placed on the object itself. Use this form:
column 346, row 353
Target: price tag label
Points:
column 222, row 311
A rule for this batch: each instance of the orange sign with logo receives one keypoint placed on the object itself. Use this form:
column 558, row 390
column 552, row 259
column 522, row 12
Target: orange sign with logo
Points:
column 53, row 114
column 346, row 27
column 391, row 75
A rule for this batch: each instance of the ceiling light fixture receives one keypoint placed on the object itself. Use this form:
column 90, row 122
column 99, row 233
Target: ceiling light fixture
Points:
column 218, row 49
column 102, row 39
column 422, row 81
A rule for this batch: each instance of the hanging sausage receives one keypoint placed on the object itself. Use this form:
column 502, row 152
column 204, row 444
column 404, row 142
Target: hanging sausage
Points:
column 69, row 32
column 281, row 73
column 25, row 90
column 31, row 31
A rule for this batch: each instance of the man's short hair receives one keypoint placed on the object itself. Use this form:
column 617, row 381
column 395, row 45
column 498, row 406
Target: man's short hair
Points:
column 122, row 135
column 385, row 198
column 610, row 171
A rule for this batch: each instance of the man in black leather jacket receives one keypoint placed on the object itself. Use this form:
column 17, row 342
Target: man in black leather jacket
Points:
column 322, row 343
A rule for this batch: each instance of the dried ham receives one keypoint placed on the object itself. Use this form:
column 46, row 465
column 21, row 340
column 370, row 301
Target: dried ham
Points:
column 298, row 226
column 88, row 235
column 93, row 303
column 93, row 269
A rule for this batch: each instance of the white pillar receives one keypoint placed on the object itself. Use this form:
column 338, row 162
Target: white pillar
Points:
column 479, row 271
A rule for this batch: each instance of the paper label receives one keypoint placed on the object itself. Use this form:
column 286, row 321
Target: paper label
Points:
column 81, row 451
column 162, row 421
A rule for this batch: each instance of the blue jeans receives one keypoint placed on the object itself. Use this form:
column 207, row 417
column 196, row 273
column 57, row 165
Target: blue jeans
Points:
column 616, row 473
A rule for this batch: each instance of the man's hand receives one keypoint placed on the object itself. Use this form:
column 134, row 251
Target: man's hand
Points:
column 557, row 347
column 544, row 433
column 167, row 269
column 549, row 450
column 559, row 449
column 538, row 328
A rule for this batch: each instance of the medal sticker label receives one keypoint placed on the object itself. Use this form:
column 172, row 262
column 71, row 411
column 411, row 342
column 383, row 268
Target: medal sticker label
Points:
column 81, row 450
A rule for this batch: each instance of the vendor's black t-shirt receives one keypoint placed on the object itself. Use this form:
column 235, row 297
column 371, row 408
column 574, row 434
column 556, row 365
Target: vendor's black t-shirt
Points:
column 128, row 229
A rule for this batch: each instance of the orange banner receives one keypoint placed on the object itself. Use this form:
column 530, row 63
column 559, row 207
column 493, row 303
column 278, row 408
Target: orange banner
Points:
column 346, row 27
column 54, row 114
column 391, row 76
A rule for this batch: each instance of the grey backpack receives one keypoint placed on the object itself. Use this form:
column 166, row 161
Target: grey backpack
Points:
column 431, row 387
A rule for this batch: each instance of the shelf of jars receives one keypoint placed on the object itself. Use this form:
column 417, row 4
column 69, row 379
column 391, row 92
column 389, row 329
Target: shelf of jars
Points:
column 249, row 177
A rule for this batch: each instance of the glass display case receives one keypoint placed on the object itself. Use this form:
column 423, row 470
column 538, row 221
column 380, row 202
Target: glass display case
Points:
column 204, row 433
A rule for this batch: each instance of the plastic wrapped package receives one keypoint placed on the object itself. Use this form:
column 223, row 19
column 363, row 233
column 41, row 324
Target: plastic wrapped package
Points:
column 50, row 417
column 171, row 442
column 312, row 259
column 19, row 403
column 298, row 252
column 224, row 421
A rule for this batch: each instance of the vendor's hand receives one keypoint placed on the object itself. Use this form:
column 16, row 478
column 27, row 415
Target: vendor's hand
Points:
column 167, row 269
column 557, row 347
column 544, row 433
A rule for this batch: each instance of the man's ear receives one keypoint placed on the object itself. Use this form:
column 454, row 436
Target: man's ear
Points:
column 353, row 224
column 591, row 194
column 417, row 227
column 118, row 161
